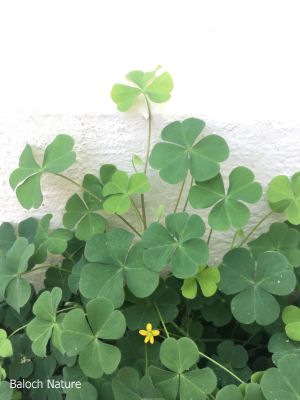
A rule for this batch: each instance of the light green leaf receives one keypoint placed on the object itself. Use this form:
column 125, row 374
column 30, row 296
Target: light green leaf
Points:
column 229, row 209
column 291, row 318
column 179, row 355
column 179, row 153
column 207, row 278
column 114, row 261
column 5, row 345
column 81, row 336
column 280, row 345
column 230, row 392
column 283, row 382
column 7, row 236
column 14, row 289
column 284, row 196
column 254, row 284
column 45, row 325
column 120, row 189
column 178, row 243
column 26, row 179
column 6, row 392
column 280, row 238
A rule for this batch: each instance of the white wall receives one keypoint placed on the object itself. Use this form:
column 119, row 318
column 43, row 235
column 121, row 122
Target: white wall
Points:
column 234, row 63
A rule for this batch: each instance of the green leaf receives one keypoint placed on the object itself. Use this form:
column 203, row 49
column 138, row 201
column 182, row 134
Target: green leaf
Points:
column 230, row 392
column 45, row 325
column 14, row 289
column 44, row 369
column 7, row 236
column 26, row 179
column 280, row 345
column 156, row 88
column 254, row 284
column 120, row 189
column 113, row 261
column 207, row 278
column 282, row 382
column 179, row 355
column 229, row 209
column 81, row 336
column 179, row 153
column 178, row 243
column 5, row 345
column 21, row 365
column 291, row 318
column 284, row 196
column 5, row 391
column 128, row 386
column 58, row 277
column 217, row 310
column 279, row 238
column 86, row 392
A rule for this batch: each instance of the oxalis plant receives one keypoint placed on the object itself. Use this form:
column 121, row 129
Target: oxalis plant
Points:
column 139, row 312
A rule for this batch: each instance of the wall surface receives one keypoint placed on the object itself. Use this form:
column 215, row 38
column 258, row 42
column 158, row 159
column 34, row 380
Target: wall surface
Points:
column 235, row 63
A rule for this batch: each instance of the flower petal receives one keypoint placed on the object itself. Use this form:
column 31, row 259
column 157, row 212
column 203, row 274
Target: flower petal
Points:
column 147, row 338
column 151, row 339
column 155, row 332
column 143, row 333
column 149, row 327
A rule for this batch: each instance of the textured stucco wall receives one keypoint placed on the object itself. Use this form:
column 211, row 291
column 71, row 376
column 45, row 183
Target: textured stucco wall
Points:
column 267, row 147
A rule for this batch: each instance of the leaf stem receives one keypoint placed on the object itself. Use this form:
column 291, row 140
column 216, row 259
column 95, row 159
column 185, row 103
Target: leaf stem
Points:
column 254, row 228
column 180, row 330
column 149, row 133
column 44, row 267
column 234, row 239
column 146, row 360
column 209, row 236
column 187, row 197
column 95, row 197
column 179, row 195
column 222, row 367
column 162, row 320
column 18, row 330
column 138, row 214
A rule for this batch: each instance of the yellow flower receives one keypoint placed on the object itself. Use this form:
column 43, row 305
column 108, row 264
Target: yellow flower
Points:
column 149, row 333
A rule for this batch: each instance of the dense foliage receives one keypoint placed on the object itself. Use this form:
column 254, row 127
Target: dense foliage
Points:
column 139, row 312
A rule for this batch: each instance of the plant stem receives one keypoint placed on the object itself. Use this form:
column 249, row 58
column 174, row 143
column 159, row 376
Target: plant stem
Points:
column 17, row 330
column 138, row 214
column 222, row 367
column 95, row 197
column 254, row 229
column 162, row 321
column 233, row 239
column 179, row 195
column 146, row 360
column 209, row 236
column 180, row 330
column 67, row 309
column 149, row 133
column 144, row 211
column 187, row 197
column 44, row 267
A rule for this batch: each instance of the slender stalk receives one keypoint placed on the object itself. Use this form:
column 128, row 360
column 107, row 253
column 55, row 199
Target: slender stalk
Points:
column 146, row 360
column 66, row 309
column 18, row 330
column 149, row 133
column 179, row 195
column 222, row 367
column 233, row 239
column 144, row 211
column 209, row 236
column 138, row 214
column 254, row 228
column 180, row 330
column 31, row 271
column 187, row 197
column 162, row 321
column 95, row 197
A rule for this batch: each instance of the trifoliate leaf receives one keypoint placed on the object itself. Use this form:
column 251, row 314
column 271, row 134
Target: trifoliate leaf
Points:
column 178, row 243
column 26, row 179
column 5, row 345
column 45, row 325
column 112, row 261
column 280, row 238
column 7, row 236
column 156, row 88
column 291, row 318
column 282, row 382
column 254, row 284
column 28, row 229
column 120, row 188
column 179, row 355
column 284, row 196
column 21, row 365
column 280, row 345
column 14, row 289
column 179, row 153
column 229, row 209
column 81, row 335
column 207, row 278
column 128, row 385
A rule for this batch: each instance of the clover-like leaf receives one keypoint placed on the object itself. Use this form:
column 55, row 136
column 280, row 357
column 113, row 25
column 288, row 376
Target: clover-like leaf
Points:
column 84, row 336
column 142, row 311
column 178, row 243
column 21, row 365
column 113, row 261
column 5, row 345
column 14, row 289
column 235, row 357
column 45, row 325
column 7, row 236
column 26, row 179
column 283, row 382
column 85, row 391
column 280, row 345
column 254, row 284
column 291, row 318
column 54, row 242
column 230, row 392
column 228, row 209
column 128, row 385
column 120, row 188
column 44, row 369
column 284, row 196
column 179, row 356
column 179, row 153
column 280, row 238
column 156, row 88
column 207, row 278
column 217, row 310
